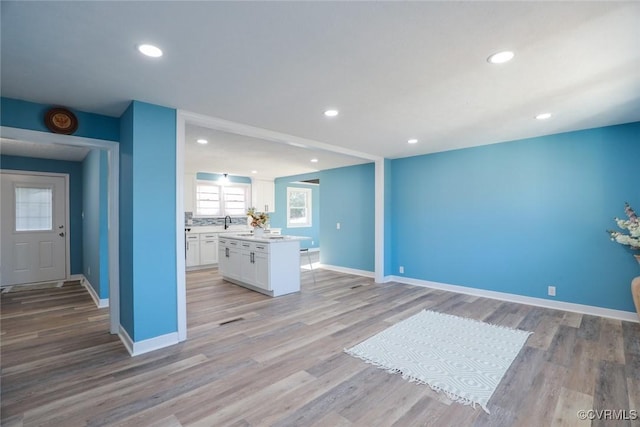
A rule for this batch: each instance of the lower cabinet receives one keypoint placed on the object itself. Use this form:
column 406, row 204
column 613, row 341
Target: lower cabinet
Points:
column 272, row 269
column 192, row 243
column 208, row 249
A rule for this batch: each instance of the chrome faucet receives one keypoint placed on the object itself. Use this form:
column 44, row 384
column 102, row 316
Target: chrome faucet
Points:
column 225, row 222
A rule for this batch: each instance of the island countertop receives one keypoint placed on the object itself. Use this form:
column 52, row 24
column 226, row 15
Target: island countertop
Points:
column 265, row 238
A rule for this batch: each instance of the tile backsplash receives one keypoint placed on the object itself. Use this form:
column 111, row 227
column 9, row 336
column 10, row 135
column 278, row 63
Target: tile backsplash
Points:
column 214, row 220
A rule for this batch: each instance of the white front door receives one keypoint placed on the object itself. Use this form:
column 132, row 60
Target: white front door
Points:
column 33, row 247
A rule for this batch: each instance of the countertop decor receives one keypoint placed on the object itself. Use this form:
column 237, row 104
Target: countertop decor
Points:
column 258, row 219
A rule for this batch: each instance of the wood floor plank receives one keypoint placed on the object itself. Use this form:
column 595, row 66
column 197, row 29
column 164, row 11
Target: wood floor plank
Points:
column 251, row 360
column 570, row 403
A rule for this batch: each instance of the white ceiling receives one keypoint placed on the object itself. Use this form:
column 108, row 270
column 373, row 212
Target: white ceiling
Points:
column 241, row 155
column 14, row 147
column 395, row 70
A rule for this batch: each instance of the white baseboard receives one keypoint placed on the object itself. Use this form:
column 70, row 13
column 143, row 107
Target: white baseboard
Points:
column 347, row 270
column 100, row 302
column 145, row 346
column 627, row 316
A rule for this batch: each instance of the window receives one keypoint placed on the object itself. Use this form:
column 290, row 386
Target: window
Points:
column 298, row 207
column 34, row 209
column 213, row 199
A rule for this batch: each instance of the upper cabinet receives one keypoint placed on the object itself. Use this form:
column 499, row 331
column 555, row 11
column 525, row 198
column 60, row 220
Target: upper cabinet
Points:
column 264, row 195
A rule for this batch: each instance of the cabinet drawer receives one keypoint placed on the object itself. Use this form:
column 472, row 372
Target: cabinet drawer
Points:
column 261, row 248
column 208, row 236
column 193, row 237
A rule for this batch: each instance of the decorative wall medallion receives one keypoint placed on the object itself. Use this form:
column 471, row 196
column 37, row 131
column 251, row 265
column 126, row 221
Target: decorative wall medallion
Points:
column 61, row 120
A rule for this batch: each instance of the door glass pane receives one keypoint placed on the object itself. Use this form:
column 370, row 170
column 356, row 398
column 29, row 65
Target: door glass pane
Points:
column 34, row 209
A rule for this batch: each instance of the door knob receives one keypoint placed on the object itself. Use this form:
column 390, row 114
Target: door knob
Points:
column 61, row 226
column 61, row 234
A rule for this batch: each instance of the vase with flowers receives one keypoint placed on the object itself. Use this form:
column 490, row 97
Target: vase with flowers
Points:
column 258, row 221
column 632, row 225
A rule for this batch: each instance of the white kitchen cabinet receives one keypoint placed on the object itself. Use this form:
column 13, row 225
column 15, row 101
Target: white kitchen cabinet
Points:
column 266, row 265
column 208, row 248
column 254, row 264
column 229, row 258
column 264, row 195
column 261, row 265
column 192, row 242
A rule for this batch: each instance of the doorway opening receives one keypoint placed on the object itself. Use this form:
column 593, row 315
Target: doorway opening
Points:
column 43, row 142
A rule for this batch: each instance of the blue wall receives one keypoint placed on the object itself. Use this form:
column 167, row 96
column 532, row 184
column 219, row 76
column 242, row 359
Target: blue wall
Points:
column 29, row 115
column 148, row 221
column 74, row 169
column 95, row 235
column 517, row 217
column 346, row 195
column 278, row 219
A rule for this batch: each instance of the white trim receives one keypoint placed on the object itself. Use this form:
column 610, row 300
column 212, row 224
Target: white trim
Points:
column 100, row 302
column 113, row 225
column 379, row 221
column 113, row 150
column 67, row 207
column 627, row 316
column 181, row 287
column 347, row 270
column 145, row 346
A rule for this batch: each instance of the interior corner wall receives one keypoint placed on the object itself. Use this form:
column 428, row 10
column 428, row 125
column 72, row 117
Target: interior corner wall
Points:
column 95, row 237
column 278, row 219
column 519, row 216
column 148, row 284
column 346, row 196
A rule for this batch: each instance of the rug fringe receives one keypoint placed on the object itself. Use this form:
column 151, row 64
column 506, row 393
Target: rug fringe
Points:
column 454, row 397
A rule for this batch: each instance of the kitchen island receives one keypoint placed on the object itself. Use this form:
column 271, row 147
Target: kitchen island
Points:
column 269, row 264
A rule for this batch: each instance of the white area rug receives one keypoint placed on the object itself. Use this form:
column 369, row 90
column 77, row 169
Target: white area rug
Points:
column 464, row 358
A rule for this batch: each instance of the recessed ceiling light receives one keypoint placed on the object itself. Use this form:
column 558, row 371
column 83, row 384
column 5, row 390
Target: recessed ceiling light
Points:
column 543, row 116
column 254, row 171
column 314, row 160
column 202, row 141
column 331, row 113
column 150, row 50
column 501, row 57
column 412, row 141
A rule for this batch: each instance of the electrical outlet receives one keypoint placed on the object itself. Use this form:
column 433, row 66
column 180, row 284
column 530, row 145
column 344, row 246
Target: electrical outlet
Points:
column 337, row 226
column 313, row 243
column 401, row 269
column 551, row 291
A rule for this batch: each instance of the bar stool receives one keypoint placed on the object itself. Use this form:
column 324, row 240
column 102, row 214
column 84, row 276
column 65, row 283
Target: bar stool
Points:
column 310, row 263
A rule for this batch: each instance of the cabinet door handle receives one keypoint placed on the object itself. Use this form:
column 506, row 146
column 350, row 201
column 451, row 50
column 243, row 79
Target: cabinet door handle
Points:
column 226, row 252
column 253, row 258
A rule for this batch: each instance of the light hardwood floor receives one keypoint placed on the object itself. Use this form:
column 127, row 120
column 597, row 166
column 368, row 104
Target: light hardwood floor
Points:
column 251, row 360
